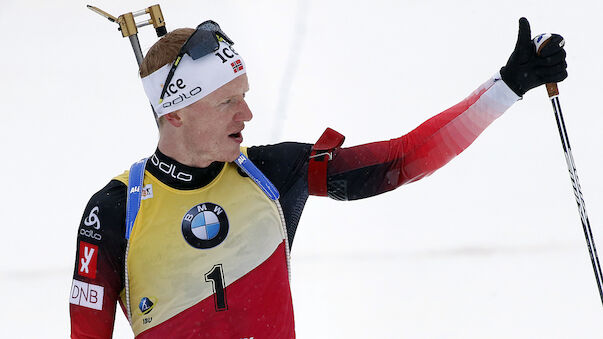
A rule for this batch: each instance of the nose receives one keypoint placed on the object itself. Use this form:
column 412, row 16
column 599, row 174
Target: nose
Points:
column 243, row 113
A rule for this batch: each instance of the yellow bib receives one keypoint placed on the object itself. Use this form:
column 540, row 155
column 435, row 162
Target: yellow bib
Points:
column 183, row 240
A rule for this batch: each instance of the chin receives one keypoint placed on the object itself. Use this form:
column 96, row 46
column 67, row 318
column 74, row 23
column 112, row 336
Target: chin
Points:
column 232, row 156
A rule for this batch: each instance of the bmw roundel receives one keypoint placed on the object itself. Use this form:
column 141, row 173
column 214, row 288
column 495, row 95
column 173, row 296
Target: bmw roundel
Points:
column 205, row 225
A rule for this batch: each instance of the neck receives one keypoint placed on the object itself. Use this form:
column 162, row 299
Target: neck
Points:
column 175, row 148
column 181, row 176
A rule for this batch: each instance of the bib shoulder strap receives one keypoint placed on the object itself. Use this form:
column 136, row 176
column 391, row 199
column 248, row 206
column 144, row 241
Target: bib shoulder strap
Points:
column 135, row 180
column 257, row 176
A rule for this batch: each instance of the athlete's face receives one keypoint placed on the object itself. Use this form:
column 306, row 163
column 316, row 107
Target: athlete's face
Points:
column 212, row 126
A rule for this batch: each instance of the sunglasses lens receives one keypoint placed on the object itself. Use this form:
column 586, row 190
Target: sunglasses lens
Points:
column 209, row 25
column 205, row 40
column 201, row 44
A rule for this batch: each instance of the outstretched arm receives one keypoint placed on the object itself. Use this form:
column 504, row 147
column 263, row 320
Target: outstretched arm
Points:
column 371, row 169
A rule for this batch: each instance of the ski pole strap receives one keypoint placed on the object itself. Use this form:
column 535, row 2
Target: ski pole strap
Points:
column 322, row 153
column 135, row 180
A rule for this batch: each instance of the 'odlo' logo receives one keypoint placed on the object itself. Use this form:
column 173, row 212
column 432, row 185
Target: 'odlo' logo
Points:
column 170, row 169
column 174, row 88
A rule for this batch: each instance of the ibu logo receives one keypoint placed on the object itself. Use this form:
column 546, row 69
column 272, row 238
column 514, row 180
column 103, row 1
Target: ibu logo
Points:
column 205, row 225
column 146, row 305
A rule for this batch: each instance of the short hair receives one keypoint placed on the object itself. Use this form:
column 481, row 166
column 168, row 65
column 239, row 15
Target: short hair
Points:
column 164, row 51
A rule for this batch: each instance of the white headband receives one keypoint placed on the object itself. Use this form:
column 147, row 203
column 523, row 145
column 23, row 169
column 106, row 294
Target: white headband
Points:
column 193, row 79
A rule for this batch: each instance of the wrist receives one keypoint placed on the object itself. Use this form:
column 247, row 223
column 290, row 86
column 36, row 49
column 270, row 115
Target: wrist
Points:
column 505, row 75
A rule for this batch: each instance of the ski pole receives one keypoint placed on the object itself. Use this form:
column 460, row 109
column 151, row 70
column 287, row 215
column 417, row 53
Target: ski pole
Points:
column 129, row 28
column 553, row 92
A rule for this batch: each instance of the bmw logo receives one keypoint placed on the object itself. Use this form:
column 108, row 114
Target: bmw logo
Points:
column 205, row 225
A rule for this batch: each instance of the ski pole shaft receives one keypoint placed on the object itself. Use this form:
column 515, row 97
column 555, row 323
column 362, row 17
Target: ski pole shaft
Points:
column 553, row 92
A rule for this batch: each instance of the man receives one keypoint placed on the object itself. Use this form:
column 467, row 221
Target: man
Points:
column 195, row 241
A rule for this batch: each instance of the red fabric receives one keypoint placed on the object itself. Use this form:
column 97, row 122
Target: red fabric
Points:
column 88, row 323
column 259, row 306
column 418, row 153
column 317, row 166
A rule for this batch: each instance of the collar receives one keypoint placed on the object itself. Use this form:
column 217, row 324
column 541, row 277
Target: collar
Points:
column 180, row 176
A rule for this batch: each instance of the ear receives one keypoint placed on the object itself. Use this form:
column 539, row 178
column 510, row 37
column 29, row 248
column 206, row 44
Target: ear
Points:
column 174, row 119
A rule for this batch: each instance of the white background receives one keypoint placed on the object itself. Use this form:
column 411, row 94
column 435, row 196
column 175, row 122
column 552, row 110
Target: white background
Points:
column 490, row 246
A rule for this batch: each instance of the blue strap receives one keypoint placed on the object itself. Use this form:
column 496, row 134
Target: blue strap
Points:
column 135, row 181
column 258, row 177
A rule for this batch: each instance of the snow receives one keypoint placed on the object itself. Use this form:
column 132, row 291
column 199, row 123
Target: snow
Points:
column 490, row 246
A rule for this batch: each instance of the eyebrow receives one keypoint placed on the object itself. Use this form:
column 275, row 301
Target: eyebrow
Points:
column 238, row 94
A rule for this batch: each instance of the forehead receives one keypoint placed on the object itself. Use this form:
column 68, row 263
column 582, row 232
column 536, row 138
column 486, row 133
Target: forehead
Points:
column 237, row 86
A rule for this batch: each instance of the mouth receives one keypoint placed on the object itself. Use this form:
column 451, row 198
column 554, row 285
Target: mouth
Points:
column 238, row 137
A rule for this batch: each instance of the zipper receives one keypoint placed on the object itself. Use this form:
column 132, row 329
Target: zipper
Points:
column 284, row 230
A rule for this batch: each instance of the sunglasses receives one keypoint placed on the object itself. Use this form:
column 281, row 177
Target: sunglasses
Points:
column 205, row 40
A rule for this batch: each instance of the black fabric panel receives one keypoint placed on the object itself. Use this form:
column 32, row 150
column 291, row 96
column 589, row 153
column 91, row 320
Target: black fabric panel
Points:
column 111, row 215
column 286, row 165
column 103, row 226
column 361, row 183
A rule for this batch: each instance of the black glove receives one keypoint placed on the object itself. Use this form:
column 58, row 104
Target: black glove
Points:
column 526, row 69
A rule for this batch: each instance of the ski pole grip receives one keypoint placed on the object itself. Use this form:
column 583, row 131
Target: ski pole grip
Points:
column 540, row 41
column 552, row 89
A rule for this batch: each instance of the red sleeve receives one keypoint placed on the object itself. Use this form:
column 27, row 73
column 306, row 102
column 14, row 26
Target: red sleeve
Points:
column 98, row 272
column 370, row 169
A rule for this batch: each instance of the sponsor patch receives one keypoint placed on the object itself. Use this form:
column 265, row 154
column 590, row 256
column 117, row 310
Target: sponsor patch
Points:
column 205, row 226
column 147, row 192
column 86, row 295
column 87, row 260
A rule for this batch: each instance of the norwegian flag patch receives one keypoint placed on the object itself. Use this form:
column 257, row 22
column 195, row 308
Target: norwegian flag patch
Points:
column 237, row 66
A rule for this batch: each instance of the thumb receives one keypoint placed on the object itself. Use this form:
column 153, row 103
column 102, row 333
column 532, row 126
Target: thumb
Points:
column 524, row 37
